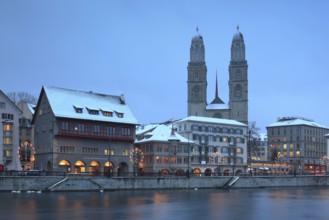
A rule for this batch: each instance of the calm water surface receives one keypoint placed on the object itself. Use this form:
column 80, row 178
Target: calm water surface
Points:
column 278, row 203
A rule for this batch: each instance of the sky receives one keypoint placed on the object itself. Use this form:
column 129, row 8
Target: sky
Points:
column 141, row 49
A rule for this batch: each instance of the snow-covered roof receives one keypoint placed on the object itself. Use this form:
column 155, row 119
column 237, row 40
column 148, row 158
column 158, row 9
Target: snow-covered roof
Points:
column 296, row 121
column 31, row 107
column 213, row 120
column 64, row 103
column 217, row 106
column 159, row 132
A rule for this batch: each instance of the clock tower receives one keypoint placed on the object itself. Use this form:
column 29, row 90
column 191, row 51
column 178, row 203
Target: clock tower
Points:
column 238, row 80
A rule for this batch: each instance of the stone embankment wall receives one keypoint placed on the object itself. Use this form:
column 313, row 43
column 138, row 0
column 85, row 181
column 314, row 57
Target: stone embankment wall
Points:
column 84, row 183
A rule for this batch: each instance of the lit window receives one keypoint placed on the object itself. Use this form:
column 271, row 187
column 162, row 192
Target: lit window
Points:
column 108, row 114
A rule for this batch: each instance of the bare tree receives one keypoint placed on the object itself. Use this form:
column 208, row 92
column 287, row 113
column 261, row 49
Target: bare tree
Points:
column 253, row 133
column 16, row 97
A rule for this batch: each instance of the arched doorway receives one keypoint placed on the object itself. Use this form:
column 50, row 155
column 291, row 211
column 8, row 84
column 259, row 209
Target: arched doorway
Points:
column 197, row 172
column 238, row 172
column 208, row 172
column 226, row 172
column 79, row 167
column 107, row 169
column 64, row 166
column 94, row 168
column 179, row 172
column 123, row 169
column 164, row 172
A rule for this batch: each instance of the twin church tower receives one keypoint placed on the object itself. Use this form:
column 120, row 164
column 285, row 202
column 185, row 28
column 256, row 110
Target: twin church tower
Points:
column 237, row 108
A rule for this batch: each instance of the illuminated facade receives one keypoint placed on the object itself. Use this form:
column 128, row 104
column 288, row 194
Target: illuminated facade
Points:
column 298, row 141
column 9, row 135
column 77, row 132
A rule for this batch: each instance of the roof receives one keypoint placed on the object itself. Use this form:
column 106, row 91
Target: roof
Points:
column 216, row 106
column 31, row 107
column 296, row 121
column 10, row 102
column 64, row 103
column 213, row 120
column 159, row 132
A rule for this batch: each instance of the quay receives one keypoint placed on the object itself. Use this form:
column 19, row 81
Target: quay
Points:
column 74, row 182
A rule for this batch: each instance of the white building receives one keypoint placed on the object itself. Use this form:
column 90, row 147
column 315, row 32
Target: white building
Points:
column 219, row 145
column 9, row 135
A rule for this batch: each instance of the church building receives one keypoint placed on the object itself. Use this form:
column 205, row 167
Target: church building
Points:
column 237, row 108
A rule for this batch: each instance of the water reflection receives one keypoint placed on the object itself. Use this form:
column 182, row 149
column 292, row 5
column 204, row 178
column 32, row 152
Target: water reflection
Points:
column 289, row 203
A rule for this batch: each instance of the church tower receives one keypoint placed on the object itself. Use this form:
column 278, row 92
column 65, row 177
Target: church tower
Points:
column 238, row 80
column 197, row 78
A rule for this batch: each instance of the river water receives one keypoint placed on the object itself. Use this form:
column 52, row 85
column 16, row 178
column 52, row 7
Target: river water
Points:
column 202, row 204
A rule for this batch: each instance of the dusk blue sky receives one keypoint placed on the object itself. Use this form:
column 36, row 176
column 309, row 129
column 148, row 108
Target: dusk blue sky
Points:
column 141, row 49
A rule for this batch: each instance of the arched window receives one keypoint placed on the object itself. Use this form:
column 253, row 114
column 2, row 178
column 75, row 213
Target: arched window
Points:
column 196, row 93
column 238, row 92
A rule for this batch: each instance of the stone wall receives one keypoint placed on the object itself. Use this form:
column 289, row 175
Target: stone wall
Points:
column 86, row 183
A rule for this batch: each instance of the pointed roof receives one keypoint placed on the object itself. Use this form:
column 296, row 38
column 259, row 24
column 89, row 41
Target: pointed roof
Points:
column 217, row 100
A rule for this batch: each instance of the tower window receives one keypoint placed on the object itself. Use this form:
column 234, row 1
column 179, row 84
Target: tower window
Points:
column 196, row 93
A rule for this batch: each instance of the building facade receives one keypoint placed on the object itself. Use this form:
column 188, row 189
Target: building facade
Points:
column 9, row 134
column 219, row 145
column 26, row 148
column 237, row 108
column 165, row 151
column 77, row 132
column 298, row 141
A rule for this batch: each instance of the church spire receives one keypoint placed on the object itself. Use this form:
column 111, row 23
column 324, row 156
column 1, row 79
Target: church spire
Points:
column 217, row 100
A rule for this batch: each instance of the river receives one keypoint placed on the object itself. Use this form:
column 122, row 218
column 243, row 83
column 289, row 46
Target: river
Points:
column 202, row 204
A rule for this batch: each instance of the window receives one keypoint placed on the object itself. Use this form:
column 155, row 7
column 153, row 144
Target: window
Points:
column 7, row 116
column 67, row 149
column 93, row 112
column 7, row 140
column 89, row 150
column 78, row 109
column 64, row 126
column 108, row 114
column 224, row 150
column 96, row 129
column 125, row 152
column 119, row 114
column 2, row 105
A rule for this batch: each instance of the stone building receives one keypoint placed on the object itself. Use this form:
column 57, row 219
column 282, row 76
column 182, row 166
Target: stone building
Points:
column 78, row 132
column 9, row 134
column 298, row 141
column 237, row 108
column 219, row 145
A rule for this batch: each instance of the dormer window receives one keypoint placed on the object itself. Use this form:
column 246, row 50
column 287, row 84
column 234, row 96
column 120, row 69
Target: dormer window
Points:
column 78, row 109
column 107, row 113
column 93, row 111
column 119, row 114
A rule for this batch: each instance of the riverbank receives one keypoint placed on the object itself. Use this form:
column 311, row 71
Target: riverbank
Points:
column 91, row 183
